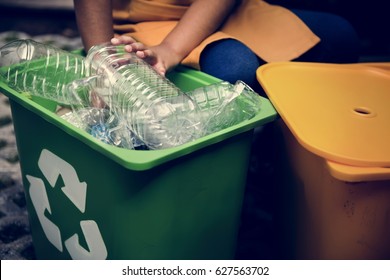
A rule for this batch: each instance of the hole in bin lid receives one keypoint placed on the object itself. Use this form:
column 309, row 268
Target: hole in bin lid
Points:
column 337, row 111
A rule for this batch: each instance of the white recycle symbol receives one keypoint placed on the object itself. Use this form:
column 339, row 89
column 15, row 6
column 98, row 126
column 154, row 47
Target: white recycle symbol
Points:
column 52, row 167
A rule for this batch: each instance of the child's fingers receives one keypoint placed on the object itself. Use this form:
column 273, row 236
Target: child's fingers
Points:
column 134, row 47
column 145, row 53
column 123, row 40
column 140, row 54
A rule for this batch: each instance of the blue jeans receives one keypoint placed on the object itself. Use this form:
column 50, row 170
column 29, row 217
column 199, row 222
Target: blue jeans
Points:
column 231, row 60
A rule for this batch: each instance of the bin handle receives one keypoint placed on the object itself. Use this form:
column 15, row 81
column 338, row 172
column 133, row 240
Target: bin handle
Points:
column 351, row 173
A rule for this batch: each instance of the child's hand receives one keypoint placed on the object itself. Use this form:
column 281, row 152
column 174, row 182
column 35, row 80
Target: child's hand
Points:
column 142, row 51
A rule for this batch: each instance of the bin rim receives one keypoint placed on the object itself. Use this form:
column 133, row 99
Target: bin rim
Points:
column 139, row 160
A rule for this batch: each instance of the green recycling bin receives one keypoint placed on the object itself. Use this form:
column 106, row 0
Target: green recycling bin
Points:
column 90, row 200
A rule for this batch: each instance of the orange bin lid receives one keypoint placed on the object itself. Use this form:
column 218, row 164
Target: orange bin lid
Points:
column 340, row 112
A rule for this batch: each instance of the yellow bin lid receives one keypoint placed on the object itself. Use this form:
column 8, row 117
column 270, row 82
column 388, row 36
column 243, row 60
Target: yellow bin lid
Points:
column 340, row 112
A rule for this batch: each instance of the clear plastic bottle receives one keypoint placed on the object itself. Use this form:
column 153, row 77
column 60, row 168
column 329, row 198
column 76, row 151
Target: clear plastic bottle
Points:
column 101, row 124
column 222, row 105
column 92, row 114
column 155, row 110
column 40, row 69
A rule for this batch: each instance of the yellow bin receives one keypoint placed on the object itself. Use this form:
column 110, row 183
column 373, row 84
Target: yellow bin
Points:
column 335, row 132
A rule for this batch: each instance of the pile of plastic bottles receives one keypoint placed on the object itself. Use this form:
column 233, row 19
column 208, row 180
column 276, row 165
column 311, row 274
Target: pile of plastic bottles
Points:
column 120, row 99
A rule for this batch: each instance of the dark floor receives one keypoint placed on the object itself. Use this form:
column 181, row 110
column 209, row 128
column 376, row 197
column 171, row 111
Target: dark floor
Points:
column 38, row 21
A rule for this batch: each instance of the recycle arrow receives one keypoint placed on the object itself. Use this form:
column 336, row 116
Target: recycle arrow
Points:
column 52, row 167
column 97, row 248
column 40, row 201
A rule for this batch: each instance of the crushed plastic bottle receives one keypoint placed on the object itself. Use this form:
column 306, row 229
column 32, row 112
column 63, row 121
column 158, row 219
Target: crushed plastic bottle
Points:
column 98, row 119
column 40, row 69
column 102, row 125
column 222, row 105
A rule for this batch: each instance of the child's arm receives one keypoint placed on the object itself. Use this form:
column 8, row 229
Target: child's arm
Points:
column 94, row 21
column 202, row 18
